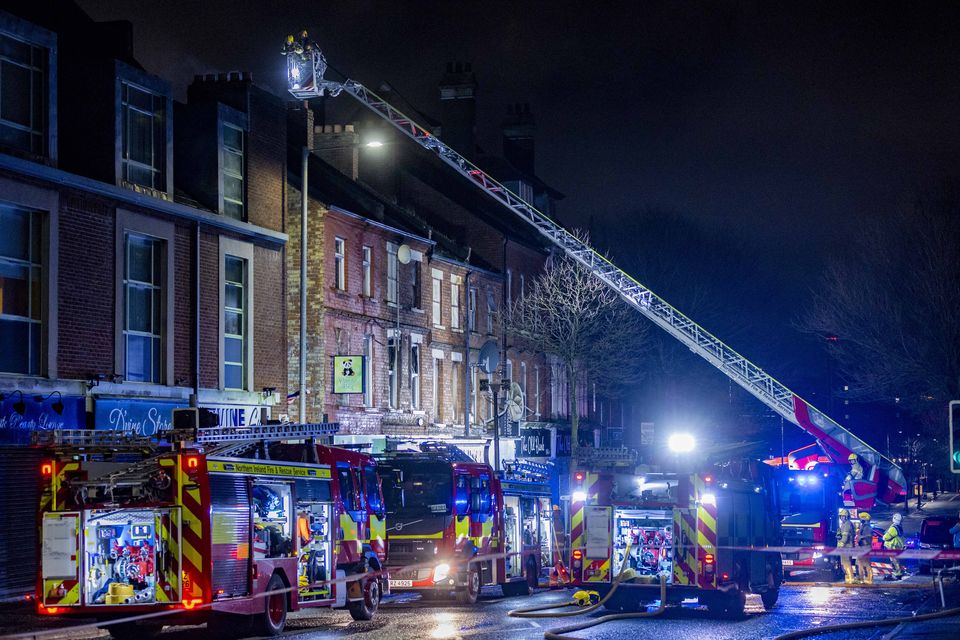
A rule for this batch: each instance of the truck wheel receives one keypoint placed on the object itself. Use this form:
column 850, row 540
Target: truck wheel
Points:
column 366, row 608
column 470, row 593
column 271, row 621
column 772, row 592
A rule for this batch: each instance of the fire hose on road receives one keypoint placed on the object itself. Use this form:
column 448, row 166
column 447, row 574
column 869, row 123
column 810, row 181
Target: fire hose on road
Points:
column 542, row 611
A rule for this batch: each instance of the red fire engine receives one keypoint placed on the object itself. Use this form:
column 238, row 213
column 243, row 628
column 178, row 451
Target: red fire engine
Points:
column 208, row 531
column 447, row 512
column 695, row 530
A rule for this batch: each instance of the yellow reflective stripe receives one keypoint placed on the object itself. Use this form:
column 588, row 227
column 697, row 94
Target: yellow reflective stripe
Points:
column 378, row 529
column 577, row 520
column 193, row 555
column 462, row 527
column 72, row 596
column 602, row 574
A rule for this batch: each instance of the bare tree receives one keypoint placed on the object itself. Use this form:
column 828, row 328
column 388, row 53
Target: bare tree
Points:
column 892, row 302
column 568, row 313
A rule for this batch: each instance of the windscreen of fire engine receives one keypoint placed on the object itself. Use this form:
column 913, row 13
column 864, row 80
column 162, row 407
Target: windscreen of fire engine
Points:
column 810, row 495
column 417, row 487
column 650, row 535
column 125, row 556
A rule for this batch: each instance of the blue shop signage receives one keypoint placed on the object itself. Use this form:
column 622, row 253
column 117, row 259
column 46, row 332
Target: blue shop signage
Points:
column 46, row 415
column 141, row 417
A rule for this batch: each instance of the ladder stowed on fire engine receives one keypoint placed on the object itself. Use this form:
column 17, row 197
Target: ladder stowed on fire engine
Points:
column 306, row 67
column 253, row 520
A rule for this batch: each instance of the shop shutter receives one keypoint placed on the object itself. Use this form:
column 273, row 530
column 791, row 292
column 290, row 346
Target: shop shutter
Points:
column 19, row 477
column 230, row 530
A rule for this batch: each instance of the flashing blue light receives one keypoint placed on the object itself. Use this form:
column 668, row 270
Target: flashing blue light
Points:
column 802, row 480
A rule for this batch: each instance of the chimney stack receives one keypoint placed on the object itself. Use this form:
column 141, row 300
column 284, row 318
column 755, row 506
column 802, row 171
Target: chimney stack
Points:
column 518, row 137
column 458, row 90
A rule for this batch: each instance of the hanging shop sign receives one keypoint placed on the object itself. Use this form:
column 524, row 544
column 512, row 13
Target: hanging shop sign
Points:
column 536, row 443
column 141, row 417
column 46, row 415
column 348, row 374
column 238, row 415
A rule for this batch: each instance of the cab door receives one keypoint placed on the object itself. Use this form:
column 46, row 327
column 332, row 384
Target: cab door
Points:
column 351, row 516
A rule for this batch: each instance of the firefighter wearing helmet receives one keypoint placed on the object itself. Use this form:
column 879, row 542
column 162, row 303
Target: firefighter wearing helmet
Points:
column 845, row 539
column 855, row 475
column 893, row 539
column 865, row 542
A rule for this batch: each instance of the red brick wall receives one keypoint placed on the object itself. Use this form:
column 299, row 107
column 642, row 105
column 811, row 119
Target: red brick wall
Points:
column 183, row 303
column 269, row 342
column 266, row 162
column 210, row 310
column 86, row 286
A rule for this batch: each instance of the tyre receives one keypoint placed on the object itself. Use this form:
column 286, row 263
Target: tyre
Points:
column 134, row 631
column 273, row 618
column 772, row 592
column 365, row 608
column 470, row 593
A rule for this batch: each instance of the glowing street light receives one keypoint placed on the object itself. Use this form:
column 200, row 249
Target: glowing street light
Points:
column 681, row 443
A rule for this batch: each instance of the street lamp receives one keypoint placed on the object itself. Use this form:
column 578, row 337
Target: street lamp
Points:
column 681, row 443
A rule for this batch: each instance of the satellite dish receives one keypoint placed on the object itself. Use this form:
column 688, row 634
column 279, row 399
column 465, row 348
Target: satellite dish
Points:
column 489, row 358
column 403, row 254
column 515, row 407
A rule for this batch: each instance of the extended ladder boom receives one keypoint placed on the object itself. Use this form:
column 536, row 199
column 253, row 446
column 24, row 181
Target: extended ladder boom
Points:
column 306, row 67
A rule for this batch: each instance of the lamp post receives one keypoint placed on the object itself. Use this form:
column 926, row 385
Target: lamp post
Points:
column 304, row 200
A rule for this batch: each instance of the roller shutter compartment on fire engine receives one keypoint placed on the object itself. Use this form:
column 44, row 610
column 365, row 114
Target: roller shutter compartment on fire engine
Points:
column 597, row 531
column 230, row 515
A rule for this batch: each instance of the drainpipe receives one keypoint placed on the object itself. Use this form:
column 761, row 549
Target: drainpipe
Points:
column 195, row 399
column 303, row 286
column 467, row 373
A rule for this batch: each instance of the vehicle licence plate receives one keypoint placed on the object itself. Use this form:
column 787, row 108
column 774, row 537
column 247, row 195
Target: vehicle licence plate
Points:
column 401, row 583
column 786, row 563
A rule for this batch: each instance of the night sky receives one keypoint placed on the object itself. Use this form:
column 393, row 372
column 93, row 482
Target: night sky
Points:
column 787, row 125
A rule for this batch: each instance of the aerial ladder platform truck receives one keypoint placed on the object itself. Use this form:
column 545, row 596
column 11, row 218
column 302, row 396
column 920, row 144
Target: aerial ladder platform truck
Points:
column 882, row 478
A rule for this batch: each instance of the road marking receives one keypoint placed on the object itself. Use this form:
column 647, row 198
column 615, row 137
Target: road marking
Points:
column 533, row 624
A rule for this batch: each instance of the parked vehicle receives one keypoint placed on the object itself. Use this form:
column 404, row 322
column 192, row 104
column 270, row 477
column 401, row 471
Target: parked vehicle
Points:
column 935, row 533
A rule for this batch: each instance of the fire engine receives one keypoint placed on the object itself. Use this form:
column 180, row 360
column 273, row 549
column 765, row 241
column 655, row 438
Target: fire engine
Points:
column 222, row 524
column 809, row 504
column 447, row 512
column 701, row 532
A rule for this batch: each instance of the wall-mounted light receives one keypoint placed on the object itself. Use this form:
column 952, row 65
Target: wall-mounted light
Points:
column 56, row 406
column 19, row 406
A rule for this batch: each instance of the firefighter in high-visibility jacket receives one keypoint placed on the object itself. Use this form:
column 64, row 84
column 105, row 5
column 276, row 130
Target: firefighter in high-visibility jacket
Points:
column 865, row 542
column 845, row 539
column 893, row 539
